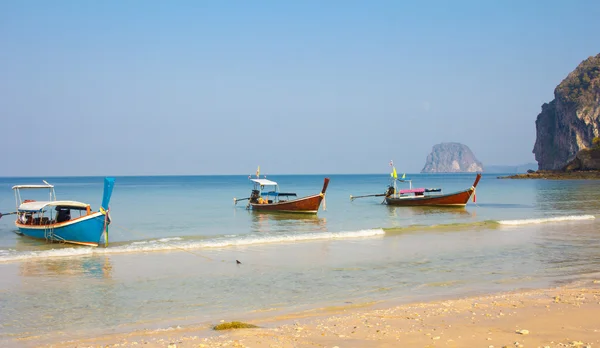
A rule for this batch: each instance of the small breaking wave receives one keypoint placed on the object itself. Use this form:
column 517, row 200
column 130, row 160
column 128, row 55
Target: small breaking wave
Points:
column 161, row 240
column 178, row 243
column 546, row 220
column 294, row 238
column 484, row 224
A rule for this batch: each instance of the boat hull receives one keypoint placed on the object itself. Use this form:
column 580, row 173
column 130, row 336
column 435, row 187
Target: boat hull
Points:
column 304, row 205
column 458, row 199
column 86, row 230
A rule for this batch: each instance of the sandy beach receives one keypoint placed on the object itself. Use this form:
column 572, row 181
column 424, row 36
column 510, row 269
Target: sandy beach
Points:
column 561, row 317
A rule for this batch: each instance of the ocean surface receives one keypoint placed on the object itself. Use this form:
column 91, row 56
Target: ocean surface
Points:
column 174, row 242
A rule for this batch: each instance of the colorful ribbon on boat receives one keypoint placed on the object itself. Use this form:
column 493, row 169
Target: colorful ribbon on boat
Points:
column 324, row 201
column 106, row 222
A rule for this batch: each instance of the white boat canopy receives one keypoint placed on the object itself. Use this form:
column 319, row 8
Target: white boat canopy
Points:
column 20, row 187
column 264, row 182
column 37, row 206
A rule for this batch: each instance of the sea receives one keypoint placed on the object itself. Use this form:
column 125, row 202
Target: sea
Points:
column 174, row 242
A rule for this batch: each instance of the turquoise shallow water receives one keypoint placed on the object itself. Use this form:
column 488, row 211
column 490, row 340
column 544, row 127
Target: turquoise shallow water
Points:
column 175, row 241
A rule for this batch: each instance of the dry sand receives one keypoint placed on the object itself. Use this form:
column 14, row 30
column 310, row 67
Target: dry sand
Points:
column 560, row 317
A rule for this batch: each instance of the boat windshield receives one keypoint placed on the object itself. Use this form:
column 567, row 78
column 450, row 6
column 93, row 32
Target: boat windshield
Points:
column 270, row 191
column 412, row 191
column 47, row 213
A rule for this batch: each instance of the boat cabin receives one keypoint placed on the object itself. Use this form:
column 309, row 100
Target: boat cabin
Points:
column 267, row 192
column 393, row 191
column 52, row 211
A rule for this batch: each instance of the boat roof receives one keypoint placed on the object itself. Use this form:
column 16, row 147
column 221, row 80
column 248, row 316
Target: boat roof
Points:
column 19, row 187
column 278, row 194
column 264, row 182
column 415, row 190
column 37, row 206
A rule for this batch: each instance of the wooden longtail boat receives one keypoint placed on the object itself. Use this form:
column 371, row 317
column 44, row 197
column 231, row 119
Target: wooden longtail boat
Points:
column 51, row 220
column 418, row 197
column 266, row 197
column 422, row 196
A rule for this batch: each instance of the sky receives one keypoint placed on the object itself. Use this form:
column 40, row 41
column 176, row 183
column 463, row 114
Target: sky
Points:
column 297, row 87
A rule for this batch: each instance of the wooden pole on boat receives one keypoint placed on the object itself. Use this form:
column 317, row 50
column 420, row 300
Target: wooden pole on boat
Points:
column 105, row 225
column 325, row 184
column 106, row 237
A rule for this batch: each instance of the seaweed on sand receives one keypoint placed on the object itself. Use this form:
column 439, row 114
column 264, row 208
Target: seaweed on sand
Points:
column 234, row 325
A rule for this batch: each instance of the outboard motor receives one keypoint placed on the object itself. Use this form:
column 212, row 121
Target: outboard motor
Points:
column 390, row 191
column 254, row 196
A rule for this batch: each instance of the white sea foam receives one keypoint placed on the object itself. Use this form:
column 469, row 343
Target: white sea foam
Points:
column 170, row 328
column 546, row 220
column 292, row 238
column 52, row 253
column 177, row 243
column 154, row 241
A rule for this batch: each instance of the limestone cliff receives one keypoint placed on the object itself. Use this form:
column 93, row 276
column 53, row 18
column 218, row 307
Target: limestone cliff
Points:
column 451, row 158
column 569, row 122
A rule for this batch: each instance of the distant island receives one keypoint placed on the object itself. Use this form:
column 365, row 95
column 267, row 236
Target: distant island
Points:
column 451, row 158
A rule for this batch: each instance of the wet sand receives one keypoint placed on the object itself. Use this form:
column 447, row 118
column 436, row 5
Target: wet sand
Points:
column 561, row 317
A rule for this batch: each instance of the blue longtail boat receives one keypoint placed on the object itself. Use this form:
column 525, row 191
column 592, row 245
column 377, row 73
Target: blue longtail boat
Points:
column 52, row 220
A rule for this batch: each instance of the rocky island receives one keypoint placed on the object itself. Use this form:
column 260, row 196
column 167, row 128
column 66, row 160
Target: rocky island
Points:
column 451, row 158
column 567, row 129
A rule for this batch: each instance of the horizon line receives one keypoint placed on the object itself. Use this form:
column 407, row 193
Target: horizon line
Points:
column 173, row 175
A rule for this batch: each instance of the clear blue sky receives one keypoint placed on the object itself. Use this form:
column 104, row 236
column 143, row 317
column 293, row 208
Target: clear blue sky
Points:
column 219, row 87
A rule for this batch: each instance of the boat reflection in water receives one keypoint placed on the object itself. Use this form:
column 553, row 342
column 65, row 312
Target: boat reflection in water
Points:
column 287, row 222
column 397, row 211
column 90, row 267
column 400, row 217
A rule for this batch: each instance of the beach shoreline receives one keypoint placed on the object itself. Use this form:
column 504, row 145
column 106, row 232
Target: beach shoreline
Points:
column 565, row 316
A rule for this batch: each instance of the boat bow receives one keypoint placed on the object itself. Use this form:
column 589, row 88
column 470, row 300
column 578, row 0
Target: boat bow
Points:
column 109, row 183
column 325, row 184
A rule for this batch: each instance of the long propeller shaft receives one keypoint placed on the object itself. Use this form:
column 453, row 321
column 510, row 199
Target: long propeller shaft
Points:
column 235, row 200
column 3, row 214
column 375, row 195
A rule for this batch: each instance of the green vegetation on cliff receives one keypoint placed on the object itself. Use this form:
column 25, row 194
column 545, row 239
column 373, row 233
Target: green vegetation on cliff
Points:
column 576, row 87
